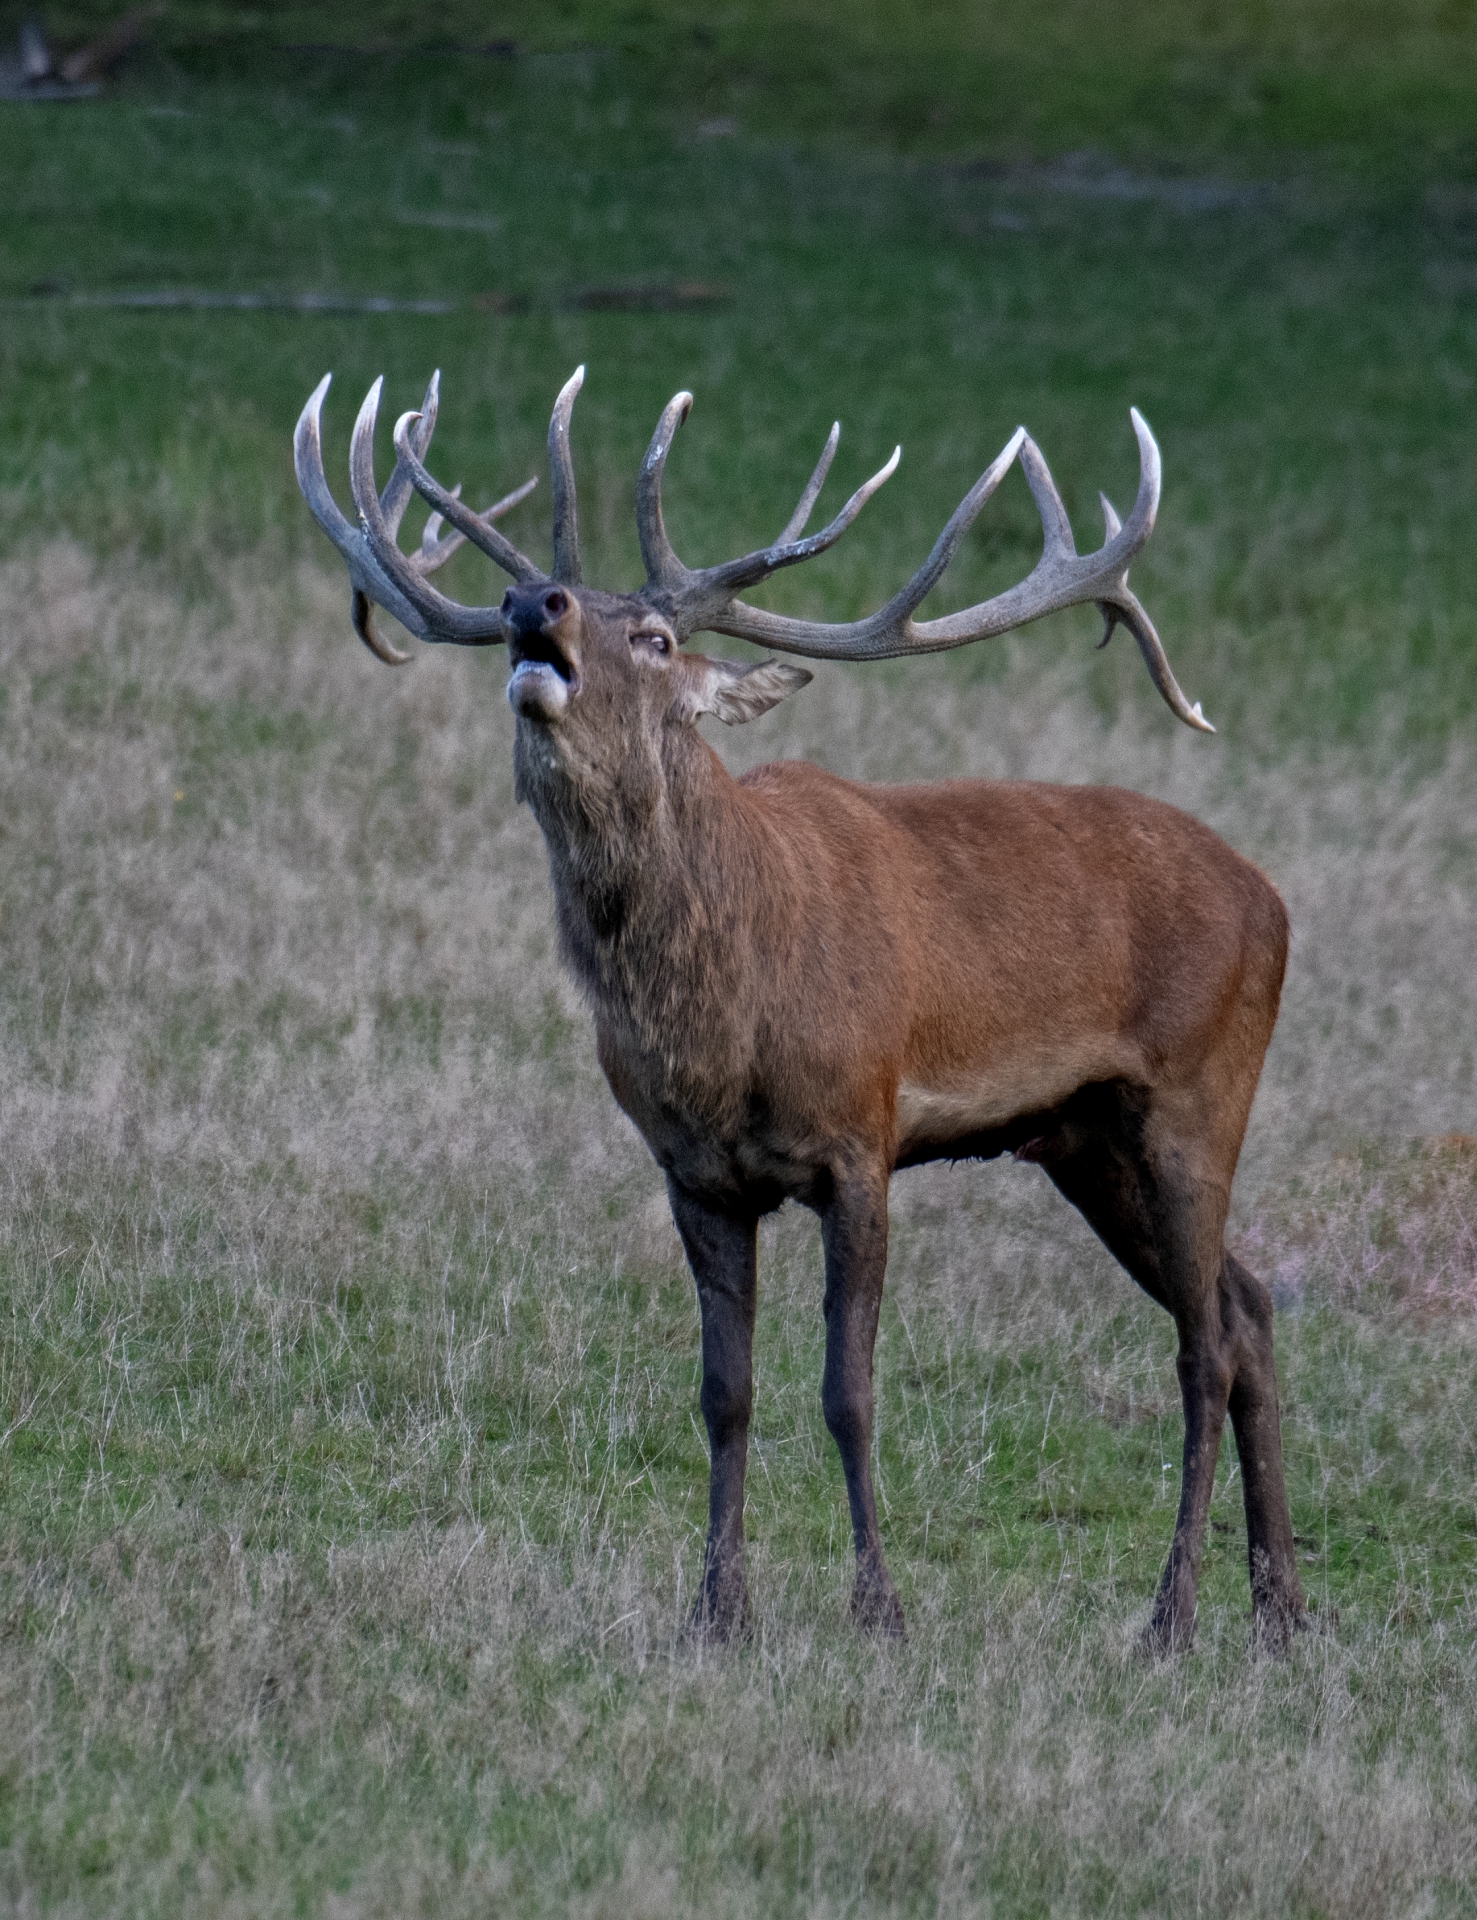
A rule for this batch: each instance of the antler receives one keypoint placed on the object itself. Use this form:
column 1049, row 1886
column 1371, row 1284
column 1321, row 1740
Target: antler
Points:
column 378, row 570
column 707, row 600
column 691, row 596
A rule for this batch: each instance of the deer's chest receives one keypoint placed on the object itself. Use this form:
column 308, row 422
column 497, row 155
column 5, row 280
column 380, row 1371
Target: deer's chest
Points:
column 704, row 1121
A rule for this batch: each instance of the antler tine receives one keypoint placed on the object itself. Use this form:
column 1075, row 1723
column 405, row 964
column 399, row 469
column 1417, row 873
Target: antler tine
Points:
column 361, row 612
column 781, row 555
column 695, row 597
column 663, row 568
column 1113, row 526
column 561, row 479
column 367, row 578
column 307, row 458
column 799, row 520
column 398, row 488
column 1058, row 540
column 716, row 585
column 887, row 631
column 1061, row 578
column 692, row 595
column 378, row 571
column 1140, row 523
column 1130, row 612
column 474, row 526
column 435, row 551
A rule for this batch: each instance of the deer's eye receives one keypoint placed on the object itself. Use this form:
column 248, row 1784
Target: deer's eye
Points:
column 653, row 639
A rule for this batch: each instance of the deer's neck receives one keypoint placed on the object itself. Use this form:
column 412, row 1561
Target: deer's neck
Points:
column 651, row 879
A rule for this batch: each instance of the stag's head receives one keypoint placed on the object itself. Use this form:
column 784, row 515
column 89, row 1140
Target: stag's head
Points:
column 602, row 689
column 599, row 681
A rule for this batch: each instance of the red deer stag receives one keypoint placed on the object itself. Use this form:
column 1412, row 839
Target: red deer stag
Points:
column 801, row 983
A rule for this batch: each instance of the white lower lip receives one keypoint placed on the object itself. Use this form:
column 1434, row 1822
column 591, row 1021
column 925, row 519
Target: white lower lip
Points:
column 537, row 692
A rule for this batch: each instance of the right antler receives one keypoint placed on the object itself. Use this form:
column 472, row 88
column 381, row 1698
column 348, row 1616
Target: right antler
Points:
column 378, row 570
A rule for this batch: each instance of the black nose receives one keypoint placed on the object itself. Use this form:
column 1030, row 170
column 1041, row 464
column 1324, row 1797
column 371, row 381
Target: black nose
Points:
column 534, row 608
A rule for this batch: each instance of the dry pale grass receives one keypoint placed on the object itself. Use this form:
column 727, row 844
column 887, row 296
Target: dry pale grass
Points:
column 228, row 804
column 347, row 1568
column 1378, row 1224
column 212, row 815
column 1048, row 1752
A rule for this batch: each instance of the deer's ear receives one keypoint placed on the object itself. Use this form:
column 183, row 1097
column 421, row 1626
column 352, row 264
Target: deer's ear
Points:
column 736, row 693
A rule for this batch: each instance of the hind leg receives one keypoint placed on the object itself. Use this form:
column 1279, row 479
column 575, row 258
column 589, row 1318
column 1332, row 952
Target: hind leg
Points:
column 1155, row 1229
column 1277, row 1603
column 1144, row 1182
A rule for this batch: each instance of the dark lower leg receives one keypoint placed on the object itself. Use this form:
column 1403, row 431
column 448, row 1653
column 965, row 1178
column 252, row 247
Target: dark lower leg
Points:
column 1166, row 1228
column 1204, row 1387
column 723, row 1256
column 1277, row 1600
column 1154, row 1227
column 854, row 1228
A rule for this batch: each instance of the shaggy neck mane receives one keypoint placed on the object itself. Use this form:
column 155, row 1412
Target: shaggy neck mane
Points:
column 646, row 872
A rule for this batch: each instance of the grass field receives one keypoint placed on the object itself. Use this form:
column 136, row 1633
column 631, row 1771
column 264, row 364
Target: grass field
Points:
column 351, row 1478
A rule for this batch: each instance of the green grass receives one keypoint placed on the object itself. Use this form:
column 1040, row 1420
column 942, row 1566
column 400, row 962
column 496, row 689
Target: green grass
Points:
column 351, row 1479
column 1375, row 87
column 398, row 1563
column 560, row 1412
column 1306, row 355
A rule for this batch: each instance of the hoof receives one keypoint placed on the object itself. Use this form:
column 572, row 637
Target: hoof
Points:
column 875, row 1607
column 1273, row 1627
column 721, row 1619
column 1171, row 1631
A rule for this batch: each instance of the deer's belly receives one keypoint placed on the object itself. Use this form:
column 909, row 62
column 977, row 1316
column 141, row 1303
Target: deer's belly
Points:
column 937, row 1111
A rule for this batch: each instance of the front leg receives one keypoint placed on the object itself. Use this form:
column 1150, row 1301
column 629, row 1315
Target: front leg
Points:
column 854, row 1231
column 723, row 1254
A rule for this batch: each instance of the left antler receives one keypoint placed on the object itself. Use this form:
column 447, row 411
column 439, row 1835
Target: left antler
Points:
column 706, row 600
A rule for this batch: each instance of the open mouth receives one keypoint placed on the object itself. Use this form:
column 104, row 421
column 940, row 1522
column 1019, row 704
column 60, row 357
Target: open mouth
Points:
column 542, row 650
column 544, row 678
